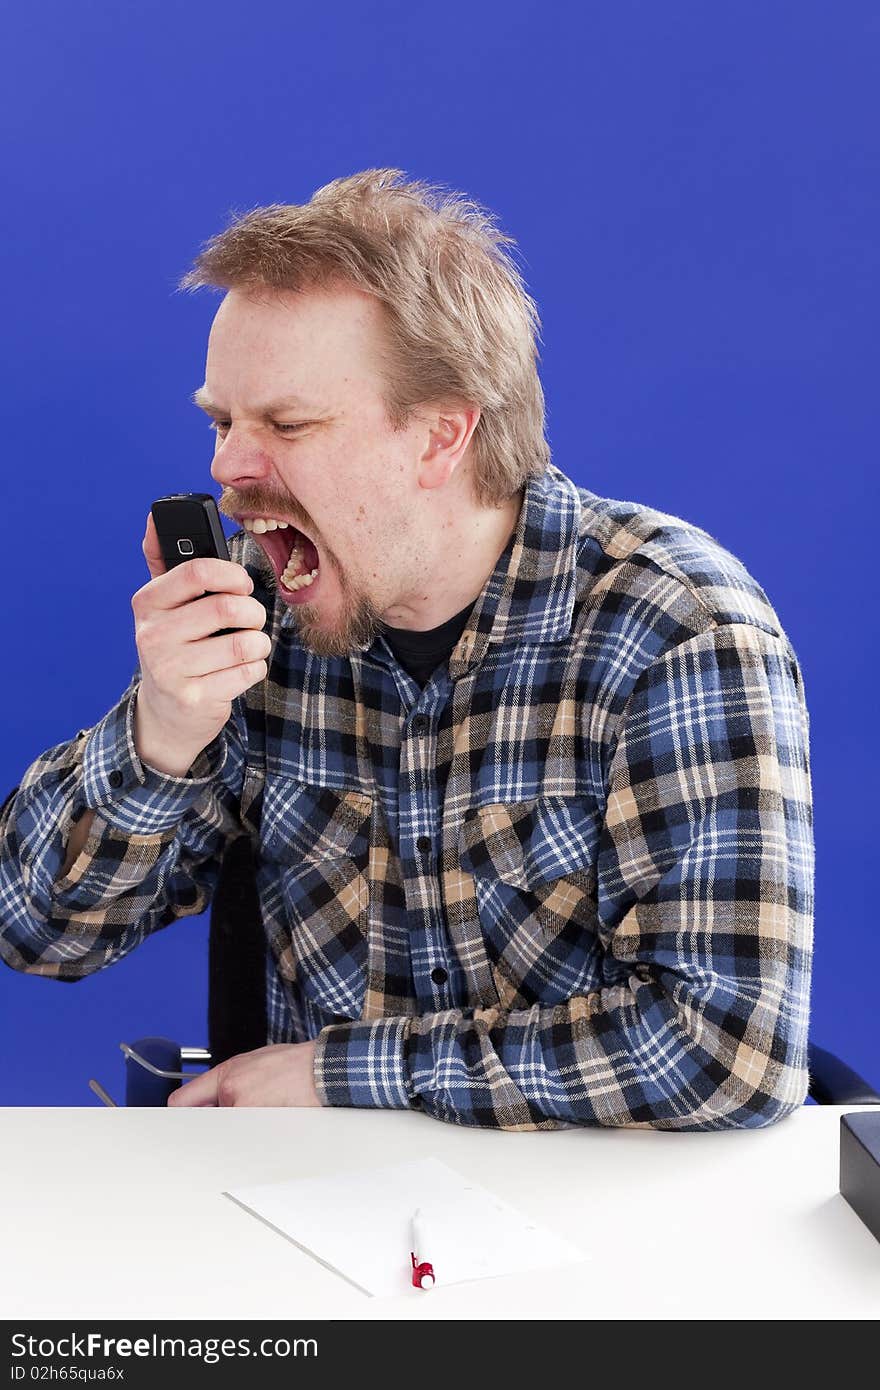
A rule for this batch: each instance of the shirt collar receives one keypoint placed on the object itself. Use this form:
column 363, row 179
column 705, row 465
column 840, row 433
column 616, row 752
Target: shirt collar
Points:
column 530, row 595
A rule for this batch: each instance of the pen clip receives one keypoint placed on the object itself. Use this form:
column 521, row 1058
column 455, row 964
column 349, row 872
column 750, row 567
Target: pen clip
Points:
column 422, row 1274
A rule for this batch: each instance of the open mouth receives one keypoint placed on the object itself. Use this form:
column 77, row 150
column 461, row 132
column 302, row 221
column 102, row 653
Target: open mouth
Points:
column 293, row 557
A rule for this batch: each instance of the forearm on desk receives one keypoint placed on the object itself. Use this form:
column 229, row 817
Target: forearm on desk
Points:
column 651, row 1055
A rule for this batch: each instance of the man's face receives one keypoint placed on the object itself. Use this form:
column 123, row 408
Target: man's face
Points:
column 294, row 383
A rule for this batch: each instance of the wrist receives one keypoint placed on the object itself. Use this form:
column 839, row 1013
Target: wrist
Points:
column 155, row 751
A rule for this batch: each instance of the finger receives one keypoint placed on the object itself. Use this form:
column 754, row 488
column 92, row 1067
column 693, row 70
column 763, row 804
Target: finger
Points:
column 212, row 613
column 179, row 589
column 152, row 549
column 220, row 653
column 205, row 574
column 201, row 1091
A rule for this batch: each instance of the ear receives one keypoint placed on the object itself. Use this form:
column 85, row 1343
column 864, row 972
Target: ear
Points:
column 449, row 433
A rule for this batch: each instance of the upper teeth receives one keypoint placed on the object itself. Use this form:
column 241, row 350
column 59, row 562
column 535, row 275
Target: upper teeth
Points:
column 261, row 524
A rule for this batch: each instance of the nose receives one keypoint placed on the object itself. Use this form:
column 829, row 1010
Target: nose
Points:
column 239, row 459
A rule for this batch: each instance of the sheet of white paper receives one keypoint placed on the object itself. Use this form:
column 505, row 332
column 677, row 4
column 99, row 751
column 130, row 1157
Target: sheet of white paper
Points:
column 359, row 1224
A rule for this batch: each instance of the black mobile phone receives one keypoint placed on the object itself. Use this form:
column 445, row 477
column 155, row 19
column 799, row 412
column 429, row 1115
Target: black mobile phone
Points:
column 188, row 526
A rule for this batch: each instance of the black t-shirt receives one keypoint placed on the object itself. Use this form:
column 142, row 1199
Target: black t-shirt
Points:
column 420, row 653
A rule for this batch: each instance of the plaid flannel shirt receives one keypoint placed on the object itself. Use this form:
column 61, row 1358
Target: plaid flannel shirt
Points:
column 570, row 881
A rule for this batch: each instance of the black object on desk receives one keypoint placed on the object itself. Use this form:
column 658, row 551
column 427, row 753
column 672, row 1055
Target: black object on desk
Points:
column 860, row 1166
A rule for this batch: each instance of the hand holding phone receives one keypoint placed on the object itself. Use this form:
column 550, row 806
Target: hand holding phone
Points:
column 197, row 630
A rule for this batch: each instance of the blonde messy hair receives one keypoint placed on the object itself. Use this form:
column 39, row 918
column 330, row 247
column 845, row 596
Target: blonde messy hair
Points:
column 460, row 323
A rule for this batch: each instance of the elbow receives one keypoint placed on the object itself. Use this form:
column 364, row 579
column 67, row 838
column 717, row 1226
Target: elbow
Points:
column 744, row 1062
column 26, row 959
column 753, row 1084
column 731, row 1103
column 766, row 1104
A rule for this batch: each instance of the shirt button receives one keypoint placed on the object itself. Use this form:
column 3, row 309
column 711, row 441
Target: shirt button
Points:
column 439, row 975
column 115, row 779
column 421, row 724
column 423, row 844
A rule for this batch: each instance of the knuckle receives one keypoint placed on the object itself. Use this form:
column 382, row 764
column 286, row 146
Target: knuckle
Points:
column 227, row 1090
column 199, row 571
column 228, row 608
column 192, row 693
column 144, row 636
column 189, row 695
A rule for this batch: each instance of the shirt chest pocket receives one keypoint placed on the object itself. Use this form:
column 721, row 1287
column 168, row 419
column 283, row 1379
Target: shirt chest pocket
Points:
column 532, row 866
column 316, row 844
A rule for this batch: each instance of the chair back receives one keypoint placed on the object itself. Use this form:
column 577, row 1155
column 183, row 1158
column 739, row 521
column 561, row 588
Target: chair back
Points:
column 236, row 958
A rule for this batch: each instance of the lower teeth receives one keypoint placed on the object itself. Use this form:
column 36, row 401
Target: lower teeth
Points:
column 291, row 580
column 301, row 582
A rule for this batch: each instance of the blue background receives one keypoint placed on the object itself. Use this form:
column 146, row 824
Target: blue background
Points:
column 694, row 189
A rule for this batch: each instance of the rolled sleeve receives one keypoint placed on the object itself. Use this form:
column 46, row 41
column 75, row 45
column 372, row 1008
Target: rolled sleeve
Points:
column 364, row 1064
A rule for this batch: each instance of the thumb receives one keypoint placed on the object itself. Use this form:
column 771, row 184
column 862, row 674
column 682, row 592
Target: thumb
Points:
column 152, row 549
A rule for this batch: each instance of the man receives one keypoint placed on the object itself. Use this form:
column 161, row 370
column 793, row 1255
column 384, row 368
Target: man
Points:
column 526, row 769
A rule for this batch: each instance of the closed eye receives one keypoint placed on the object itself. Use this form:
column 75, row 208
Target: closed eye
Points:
column 221, row 426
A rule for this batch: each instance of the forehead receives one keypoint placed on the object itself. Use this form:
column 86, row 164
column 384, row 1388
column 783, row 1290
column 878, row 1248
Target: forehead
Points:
column 304, row 342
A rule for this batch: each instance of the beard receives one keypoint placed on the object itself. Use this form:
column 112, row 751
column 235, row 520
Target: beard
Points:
column 356, row 628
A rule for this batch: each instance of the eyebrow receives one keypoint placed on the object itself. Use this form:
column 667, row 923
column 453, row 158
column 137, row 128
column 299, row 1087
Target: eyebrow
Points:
column 203, row 401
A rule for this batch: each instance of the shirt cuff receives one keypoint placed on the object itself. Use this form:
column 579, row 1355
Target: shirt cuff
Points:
column 131, row 796
column 364, row 1064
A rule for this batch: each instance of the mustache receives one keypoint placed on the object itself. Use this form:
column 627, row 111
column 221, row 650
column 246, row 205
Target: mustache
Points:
column 232, row 504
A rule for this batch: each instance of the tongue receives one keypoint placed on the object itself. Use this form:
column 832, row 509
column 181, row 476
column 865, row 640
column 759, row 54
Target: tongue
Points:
column 278, row 546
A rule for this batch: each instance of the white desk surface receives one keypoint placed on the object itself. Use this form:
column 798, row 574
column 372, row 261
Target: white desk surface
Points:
column 121, row 1214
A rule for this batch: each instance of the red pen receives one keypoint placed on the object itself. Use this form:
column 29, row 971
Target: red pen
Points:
column 422, row 1270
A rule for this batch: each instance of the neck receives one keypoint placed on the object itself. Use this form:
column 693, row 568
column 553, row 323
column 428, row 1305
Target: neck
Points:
column 455, row 578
